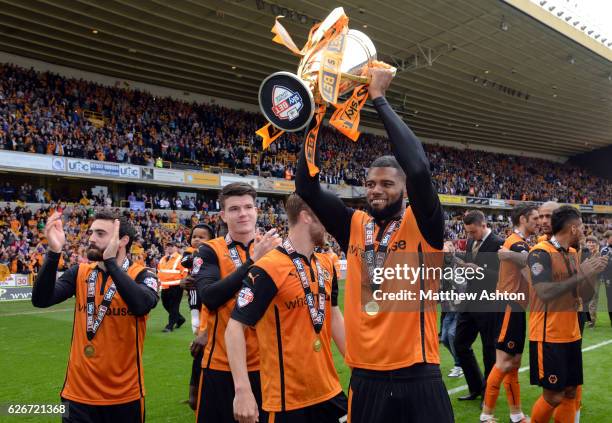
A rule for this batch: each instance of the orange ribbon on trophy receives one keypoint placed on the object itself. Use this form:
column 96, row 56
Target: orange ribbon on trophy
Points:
column 346, row 117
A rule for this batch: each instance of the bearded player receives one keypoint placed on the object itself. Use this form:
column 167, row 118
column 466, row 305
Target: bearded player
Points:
column 393, row 355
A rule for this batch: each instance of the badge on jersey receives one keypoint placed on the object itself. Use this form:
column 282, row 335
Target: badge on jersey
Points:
column 536, row 268
column 197, row 264
column 245, row 297
column 151, row 283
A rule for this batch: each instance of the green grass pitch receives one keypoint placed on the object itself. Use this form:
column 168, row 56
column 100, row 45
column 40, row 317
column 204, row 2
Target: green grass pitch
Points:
column 34, row 349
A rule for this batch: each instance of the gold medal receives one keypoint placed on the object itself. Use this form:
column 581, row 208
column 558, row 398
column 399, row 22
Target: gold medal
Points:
column 89, row 350
column 316, row 345
column 372, row 308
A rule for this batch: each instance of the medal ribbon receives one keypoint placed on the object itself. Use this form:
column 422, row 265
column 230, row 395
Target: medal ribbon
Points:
column 317, row 315
column 375, row 258
column 94, row 325
column 519, row 233
column 233, row 251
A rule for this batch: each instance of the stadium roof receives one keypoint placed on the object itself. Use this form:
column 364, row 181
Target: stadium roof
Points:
column 489, row 72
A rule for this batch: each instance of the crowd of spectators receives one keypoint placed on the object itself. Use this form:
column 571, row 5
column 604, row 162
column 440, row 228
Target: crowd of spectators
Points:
column 140, row 199
column 49, row 114
column 22, row 242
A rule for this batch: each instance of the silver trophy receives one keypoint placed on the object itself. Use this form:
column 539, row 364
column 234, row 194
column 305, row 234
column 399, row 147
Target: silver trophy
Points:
column 332, row 64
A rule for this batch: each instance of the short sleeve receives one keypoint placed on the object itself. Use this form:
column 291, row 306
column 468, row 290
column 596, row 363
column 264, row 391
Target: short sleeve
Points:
column 540, row 266
column 257, row 292
column 520, row 247
column 334, row 292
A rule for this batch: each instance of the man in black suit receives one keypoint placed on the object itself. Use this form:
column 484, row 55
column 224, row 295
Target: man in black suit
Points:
column 478, row 317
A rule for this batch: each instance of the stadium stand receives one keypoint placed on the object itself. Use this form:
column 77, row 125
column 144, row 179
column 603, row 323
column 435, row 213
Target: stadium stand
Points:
column 22, row 244
column 48, row 114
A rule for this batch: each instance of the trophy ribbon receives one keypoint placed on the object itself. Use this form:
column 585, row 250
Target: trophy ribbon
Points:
column 325, row 47
column 346, row 116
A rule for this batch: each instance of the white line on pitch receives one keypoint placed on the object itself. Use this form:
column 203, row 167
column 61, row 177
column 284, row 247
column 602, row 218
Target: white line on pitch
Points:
column 23, row 313
column 525, row 368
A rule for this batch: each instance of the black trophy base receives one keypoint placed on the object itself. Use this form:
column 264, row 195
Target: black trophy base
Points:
column 286, row 101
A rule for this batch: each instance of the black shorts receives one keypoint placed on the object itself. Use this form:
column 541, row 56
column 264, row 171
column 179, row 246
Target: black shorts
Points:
column 511, row 330
column 194, row 299
column 130, row 412
column 413, row 394
column 331, row 411
column 196, row 369
column 555, row 366
column 216, row 396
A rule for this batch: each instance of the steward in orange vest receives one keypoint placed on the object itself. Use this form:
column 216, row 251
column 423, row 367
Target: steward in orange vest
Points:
column 170, row 272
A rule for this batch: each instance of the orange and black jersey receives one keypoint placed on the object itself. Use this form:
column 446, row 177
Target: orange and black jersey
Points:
column 556, row 320
column 218, row 281
column 408, row 151
column 47, row 291
column 272, row 299
column 388, row 340
column 543, row 238
column 402, row 336
column 111, row 373
column 511, row 279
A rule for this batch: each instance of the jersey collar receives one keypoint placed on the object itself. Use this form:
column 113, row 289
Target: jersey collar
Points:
column 557, row 245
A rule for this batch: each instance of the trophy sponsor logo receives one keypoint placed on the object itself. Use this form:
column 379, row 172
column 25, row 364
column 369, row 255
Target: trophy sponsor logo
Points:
column 286, row 104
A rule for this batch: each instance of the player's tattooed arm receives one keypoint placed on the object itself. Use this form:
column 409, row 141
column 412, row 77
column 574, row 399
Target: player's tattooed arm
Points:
column 540, row 268
column 517, row 253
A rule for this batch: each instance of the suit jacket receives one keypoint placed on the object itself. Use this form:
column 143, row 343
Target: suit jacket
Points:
column 487, row 259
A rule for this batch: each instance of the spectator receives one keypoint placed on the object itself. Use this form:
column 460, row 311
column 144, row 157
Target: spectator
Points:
column 48, row 114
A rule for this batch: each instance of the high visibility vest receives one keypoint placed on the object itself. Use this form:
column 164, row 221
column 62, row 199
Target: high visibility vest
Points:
column 169, row 271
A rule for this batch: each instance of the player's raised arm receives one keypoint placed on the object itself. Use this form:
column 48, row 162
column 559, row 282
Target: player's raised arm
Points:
column 409, row 153
column 140, row 295
column 331, row 211
column 48, row 291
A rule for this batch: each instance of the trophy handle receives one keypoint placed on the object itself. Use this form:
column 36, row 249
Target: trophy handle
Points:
column 355, row 78
column 360, row 79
